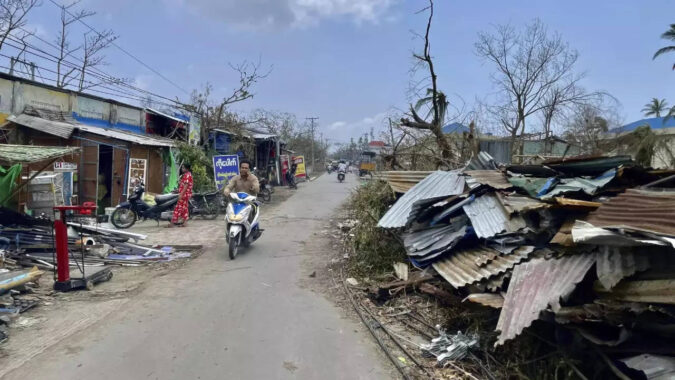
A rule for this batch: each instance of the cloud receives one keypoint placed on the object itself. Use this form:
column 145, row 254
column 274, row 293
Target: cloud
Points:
column 342, row 131
column 276, row 14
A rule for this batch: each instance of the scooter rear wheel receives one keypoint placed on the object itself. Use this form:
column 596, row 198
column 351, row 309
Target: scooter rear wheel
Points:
column 123, row 218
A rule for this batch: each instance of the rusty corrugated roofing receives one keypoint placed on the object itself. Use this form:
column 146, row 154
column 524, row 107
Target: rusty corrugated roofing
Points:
column 489, row 218
column 487, row 299
column 436, row 186
column 401, row 181
column 657, row 291
column 492, row 178
column 472, row 265
column 534, row 286
column 639, row 210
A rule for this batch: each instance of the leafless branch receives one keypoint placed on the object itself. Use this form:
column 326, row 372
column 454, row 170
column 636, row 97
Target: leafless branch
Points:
column 94, row 44
column 68, row 17
column 13, row 16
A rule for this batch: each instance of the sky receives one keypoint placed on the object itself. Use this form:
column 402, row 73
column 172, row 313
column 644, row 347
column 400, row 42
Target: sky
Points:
column 348, row 62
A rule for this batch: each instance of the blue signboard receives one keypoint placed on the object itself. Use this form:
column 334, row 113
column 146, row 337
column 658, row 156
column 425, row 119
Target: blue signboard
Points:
column 224, row 168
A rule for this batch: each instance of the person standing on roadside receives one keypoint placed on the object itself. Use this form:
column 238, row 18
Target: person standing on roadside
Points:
column 181, row 212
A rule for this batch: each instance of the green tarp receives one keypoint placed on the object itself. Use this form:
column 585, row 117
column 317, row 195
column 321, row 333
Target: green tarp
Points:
column 7, row 182
column 173, row 173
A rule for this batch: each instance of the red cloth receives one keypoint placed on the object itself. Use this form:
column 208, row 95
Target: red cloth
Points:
column 181, row 211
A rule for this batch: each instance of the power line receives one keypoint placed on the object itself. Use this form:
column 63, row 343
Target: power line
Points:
column 106, row 78
column 120, row 48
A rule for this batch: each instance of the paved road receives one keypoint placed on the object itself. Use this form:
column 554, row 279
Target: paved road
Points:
column 221, row 319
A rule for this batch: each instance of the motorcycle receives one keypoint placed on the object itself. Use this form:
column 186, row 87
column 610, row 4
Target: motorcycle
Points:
column 341, row 175
column 241, row 221
column 290, row 179
column 206, row 205
column 126, row 213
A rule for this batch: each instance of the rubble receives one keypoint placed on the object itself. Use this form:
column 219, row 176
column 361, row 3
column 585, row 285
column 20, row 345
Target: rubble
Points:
column 450, row 347
column 587, row 243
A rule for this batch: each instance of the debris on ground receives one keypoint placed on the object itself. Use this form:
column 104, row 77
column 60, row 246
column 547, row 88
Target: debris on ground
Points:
column 27, row 252
column 580, row 251
column 450, row 347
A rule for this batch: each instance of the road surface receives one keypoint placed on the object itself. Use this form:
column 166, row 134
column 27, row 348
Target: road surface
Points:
column 222, row 319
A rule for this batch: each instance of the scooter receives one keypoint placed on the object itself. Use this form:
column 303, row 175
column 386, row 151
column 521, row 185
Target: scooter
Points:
column 126, row 213
column 241, row 222
column 341, row 175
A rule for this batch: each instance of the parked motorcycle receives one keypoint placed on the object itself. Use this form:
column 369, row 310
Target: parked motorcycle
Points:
column 241, row 221
column 265, row 190
column 206, row 205
column 290, row 179
column 127, row 213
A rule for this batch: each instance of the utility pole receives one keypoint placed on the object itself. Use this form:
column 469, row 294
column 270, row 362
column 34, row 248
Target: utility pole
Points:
column 311, row 121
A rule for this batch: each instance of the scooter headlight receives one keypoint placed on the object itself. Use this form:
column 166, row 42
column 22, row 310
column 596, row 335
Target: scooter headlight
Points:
column 238, row 217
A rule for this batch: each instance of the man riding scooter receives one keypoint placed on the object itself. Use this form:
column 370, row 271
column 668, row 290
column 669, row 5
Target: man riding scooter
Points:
column 342, row 170
column 245, row 182
column 241, row 218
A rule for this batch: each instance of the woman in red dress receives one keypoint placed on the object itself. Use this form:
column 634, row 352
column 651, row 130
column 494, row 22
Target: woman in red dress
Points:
column 180, row 212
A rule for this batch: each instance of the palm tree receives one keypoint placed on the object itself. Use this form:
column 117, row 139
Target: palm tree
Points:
column 655, row 107
column 667, row 35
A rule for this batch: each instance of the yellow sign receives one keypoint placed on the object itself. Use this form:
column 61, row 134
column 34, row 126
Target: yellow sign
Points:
column 300, row 168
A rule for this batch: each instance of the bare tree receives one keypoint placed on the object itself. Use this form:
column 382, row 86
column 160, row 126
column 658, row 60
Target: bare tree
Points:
column 66, row 74
column 94, row 44
column 213, row 114
column 13, row 16
column 586, row 123
column 532, row 67
column 434, row 97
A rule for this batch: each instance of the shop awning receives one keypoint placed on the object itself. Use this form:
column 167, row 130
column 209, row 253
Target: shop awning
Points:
column 26, row 154
column 52, row 127
column 160, row 113
column 131, row 137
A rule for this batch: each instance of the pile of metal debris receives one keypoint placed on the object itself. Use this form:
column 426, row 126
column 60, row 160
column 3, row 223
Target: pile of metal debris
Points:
column 586, row 243
column 30, row 242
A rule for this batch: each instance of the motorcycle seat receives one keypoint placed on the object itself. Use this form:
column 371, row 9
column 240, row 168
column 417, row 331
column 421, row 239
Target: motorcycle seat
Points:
column 165, row 197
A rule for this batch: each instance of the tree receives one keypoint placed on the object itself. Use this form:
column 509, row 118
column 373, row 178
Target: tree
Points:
column 94, row 44
column 213, row 113
column 667, row 35
column 65, row 74
column 435, row 98
column 533, row 73
column 655, row 107
column 13, row 16
column 586, row 124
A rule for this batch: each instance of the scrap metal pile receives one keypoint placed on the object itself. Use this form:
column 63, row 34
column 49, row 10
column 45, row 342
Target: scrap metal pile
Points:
column 29, row 241
column 587, row 243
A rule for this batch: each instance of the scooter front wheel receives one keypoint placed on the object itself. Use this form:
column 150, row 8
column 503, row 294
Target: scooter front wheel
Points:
column 123, row 218
column 233, row 247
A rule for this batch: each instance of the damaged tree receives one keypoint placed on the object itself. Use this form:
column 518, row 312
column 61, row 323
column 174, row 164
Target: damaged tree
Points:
column 65, row 74
column 94, row 44
column 435, row 98
column 533, row 74
column 214, row 114
column 13, row 17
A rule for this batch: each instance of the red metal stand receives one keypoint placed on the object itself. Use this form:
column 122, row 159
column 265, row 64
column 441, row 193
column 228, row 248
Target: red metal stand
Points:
column 63, row 281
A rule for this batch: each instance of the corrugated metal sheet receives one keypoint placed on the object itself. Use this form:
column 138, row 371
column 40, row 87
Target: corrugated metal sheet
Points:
column 613, row 264
column 534, row 286
column 499, row 149
column 532, row 185
column 587, row 165
column 489, row 218
column 432, row 240
column 55, row 128
column 658, row 291
column 127, row 136
column 588, row 186
column 492, row 178
column 14, row 154
column 655, row 367
column 401, row 181
column 516, row 203
column 639, row 210
column 487, row 299
column 462, row 267
column 481, row 162
column 437, row 185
